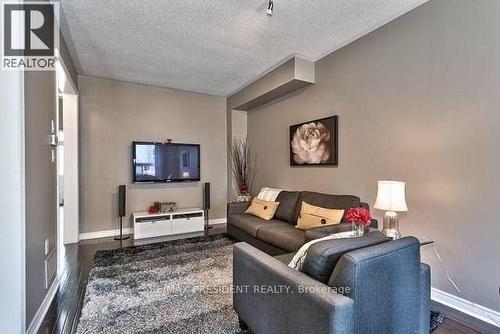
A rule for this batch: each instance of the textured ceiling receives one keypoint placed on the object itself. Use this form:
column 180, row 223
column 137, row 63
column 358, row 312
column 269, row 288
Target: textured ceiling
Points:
column 211, row 46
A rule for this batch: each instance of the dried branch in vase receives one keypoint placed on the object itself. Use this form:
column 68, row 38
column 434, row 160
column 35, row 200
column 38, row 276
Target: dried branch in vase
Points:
column 242, row 166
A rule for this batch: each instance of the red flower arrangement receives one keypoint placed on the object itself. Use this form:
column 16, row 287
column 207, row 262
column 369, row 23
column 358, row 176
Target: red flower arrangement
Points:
column 359, row 216
column 155, row 208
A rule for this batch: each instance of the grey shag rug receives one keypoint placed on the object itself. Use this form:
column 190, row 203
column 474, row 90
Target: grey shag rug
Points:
column 180, row 286
column 437, row 319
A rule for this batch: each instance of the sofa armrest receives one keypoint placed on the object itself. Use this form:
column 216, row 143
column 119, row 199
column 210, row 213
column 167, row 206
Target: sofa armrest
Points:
column 425, row 297
column 374, row 224
column 320, row 232
column 271, row 297
column 235, row 208
column 385, row 281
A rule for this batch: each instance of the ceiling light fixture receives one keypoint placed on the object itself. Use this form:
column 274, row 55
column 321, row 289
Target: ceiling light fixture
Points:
column 270, row 6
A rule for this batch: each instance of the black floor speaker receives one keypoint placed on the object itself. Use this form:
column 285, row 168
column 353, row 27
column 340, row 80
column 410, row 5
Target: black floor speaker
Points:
column 206, row 205
column 122, row 208
column 122, row 189
column 206, row 196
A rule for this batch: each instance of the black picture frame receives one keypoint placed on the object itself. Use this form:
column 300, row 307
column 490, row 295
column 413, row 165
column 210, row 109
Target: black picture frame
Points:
column 299, row 158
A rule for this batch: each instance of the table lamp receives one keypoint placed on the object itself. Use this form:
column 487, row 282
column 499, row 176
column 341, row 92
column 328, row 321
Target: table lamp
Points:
column 391, row 198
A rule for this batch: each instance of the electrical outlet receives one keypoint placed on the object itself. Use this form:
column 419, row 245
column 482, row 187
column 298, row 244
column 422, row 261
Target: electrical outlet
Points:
column 47, row 246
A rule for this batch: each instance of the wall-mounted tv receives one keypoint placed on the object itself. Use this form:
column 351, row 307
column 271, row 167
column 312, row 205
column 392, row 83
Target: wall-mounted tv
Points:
column 165, row 162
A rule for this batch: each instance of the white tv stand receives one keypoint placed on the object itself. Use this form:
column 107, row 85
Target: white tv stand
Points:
column 151, row 225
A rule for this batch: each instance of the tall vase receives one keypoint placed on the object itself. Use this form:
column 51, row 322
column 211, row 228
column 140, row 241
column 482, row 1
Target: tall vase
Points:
column 358, row 229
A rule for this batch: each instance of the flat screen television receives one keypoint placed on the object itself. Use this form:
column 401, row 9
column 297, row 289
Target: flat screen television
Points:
column 165, row 162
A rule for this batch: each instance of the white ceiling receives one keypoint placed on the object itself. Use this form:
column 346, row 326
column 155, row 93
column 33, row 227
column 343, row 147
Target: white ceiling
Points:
column 211, row 46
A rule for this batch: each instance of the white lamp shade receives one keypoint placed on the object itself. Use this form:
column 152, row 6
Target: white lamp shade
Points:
column 391, row 196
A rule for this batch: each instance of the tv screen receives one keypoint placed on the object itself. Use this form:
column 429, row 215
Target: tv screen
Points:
column 165, row 162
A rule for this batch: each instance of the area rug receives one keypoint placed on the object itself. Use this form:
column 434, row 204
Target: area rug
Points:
column 437, row 319
column 180, row 286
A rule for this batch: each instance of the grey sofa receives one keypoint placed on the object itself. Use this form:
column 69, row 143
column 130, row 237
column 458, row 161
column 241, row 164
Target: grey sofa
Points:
column 279, row 235
column 365, row 286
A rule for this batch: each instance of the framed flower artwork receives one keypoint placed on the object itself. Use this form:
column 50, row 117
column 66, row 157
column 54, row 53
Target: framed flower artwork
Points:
column 314, row 143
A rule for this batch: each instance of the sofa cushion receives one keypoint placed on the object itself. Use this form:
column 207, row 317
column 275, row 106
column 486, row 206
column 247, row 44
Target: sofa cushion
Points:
column 321, row 232
column 284, row 236
column 288, row 203
column 327, row 201
column 285, row 258
column 251, row 224
column 322, row 257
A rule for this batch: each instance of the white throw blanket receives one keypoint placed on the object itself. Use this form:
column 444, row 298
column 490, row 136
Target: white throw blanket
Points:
column 300, row 256
column 268, row 194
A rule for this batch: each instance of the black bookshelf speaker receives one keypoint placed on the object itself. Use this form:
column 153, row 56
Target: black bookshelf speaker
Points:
column 122, row 200
column 206, row 196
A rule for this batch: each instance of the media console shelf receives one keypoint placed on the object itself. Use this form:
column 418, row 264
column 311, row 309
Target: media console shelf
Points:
column 150, row 225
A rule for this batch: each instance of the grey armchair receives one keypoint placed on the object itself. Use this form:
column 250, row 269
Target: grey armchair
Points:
column 386, row 291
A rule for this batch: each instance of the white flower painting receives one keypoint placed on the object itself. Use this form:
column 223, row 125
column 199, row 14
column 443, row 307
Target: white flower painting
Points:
column 314, row 143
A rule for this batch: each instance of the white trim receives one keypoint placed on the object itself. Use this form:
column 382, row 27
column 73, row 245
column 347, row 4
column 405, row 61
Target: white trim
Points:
column 105, row 234
column 217, row 221
column 474, row 310
column 22, row 243
column 130, row 230
column 44, row 307
column 13, row 200
column 70, row 226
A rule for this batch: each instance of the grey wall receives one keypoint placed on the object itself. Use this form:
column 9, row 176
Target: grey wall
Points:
column 41, row 215
column 40, row 179
column 112, row 115
column 418, row 100
column 238, row 132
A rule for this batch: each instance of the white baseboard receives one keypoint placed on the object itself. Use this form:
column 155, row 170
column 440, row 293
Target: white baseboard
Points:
column 130, row 230
column 474, row 310
column 44, row 307
column 105, row 234
column 217, row 221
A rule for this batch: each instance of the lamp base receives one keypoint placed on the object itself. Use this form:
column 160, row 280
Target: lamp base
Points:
column 391, row 225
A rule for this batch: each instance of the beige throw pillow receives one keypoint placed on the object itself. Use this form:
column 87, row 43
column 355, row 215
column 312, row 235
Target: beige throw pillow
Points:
column 262, row 209
column 314, row 216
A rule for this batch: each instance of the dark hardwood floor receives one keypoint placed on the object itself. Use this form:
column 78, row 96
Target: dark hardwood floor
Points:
column 452, row 327
column 65, row 310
